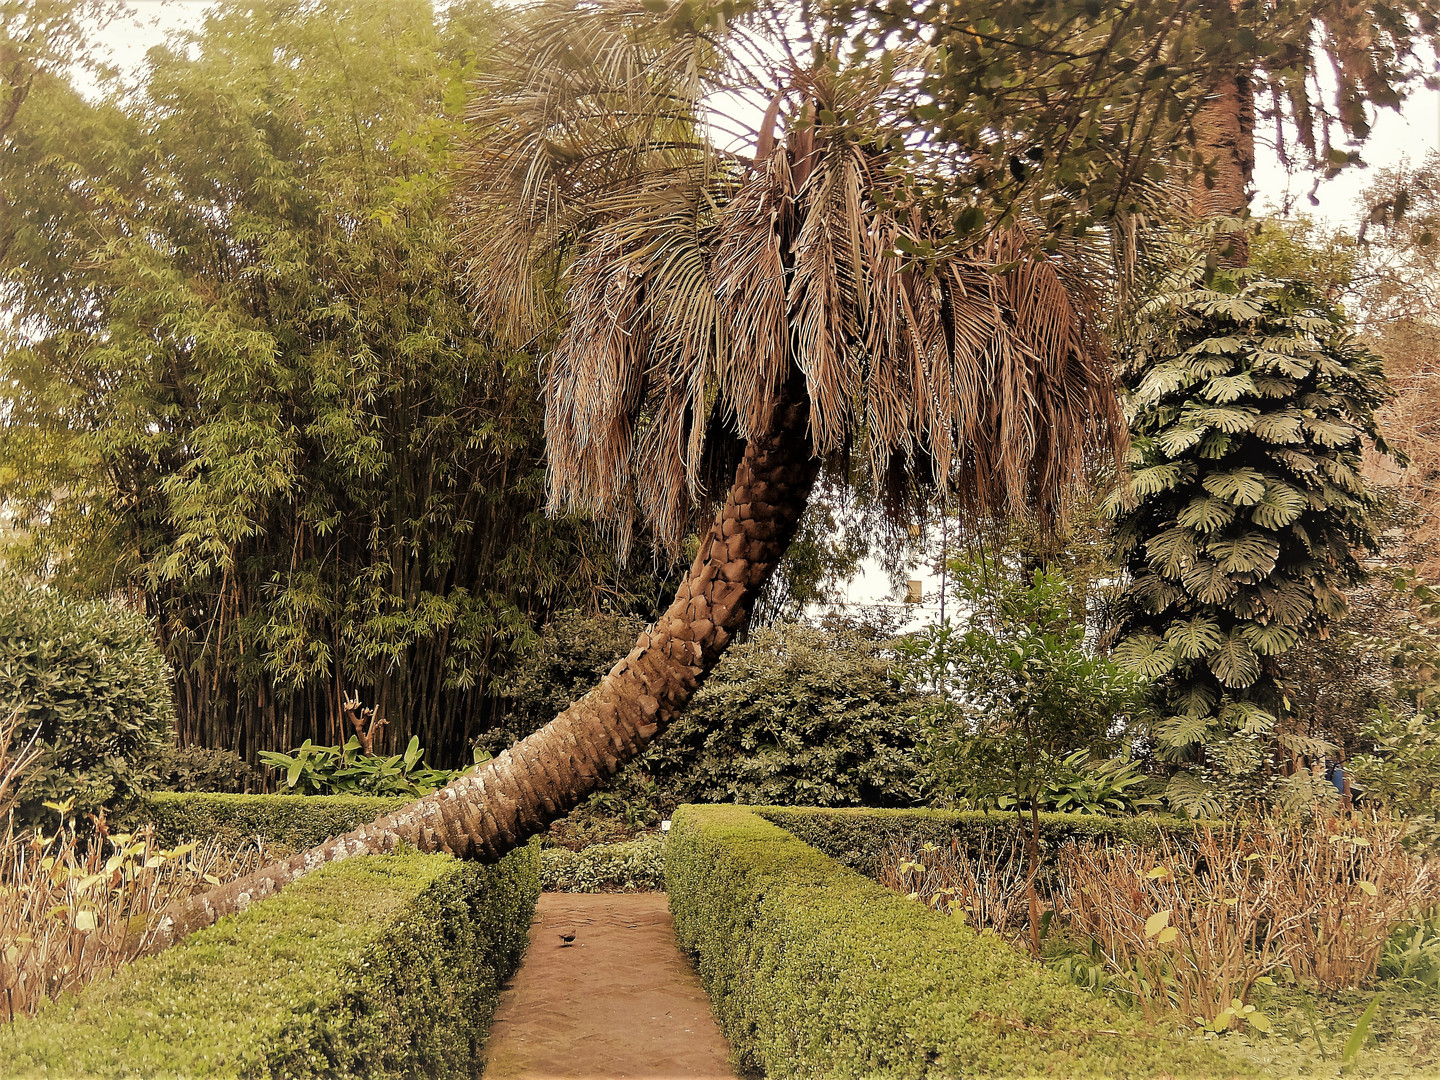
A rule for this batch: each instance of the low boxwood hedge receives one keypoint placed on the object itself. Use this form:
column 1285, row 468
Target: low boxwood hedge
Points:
column 286, row 823
column 859, row 838
column 377, row 966
column 816, row 971
column 633, row 866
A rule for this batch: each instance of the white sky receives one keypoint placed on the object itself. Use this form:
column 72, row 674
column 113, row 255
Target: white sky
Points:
column 1395, row 138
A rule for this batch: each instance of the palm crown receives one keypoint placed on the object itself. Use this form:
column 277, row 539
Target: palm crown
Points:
column 697, row 282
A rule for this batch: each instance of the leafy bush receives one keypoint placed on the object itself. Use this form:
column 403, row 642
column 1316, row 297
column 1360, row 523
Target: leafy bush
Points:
column 633, row 866
column 89, row 676
column 815, row 971
column 795, row 716
column 377, row 966
column 565, row 660
column 1402, row 770
column 283, row 824
column 1011, row 685
column 346, row 770
column 199, row 768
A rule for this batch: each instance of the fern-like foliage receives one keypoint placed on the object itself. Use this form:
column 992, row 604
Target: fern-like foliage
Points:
column 1249, row 405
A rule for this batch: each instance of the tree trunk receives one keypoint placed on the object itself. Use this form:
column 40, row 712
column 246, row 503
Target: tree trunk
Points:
column 1225, row 140
column 501, row 803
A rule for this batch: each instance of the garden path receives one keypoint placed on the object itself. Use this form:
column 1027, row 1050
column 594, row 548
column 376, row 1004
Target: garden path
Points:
column 620, row 1001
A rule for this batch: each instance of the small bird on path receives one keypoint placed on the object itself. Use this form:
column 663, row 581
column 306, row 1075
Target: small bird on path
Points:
column 566, row 939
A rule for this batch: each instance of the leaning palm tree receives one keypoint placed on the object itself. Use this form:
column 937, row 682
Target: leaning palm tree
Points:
column 740, row 314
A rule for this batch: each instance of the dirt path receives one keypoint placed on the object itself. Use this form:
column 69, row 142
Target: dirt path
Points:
column 620, row 1001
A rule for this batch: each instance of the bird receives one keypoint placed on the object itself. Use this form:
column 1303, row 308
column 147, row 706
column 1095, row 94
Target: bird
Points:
column 566, row 939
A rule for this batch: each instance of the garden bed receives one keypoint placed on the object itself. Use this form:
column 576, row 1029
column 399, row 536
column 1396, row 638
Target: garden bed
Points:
column 376, row 966
column 815, row 970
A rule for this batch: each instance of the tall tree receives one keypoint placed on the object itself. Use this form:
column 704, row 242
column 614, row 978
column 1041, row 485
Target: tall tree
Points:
column 717, row 307
column 1120, row 106
column 1251, row 405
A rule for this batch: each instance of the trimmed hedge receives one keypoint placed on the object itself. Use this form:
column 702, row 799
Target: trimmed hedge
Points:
column 858, row 838
column 816, row 971
column 632, row 866
column 287, row 823
column 376, row 966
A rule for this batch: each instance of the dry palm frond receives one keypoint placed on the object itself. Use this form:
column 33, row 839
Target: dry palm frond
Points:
column 696, row 285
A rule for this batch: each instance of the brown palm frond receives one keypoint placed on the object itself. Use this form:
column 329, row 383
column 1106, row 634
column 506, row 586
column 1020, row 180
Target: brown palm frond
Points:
column 693, row 288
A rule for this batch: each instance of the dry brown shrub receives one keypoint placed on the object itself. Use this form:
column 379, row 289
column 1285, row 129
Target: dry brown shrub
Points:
column 73, row 906
column 1190, row 925
column 987, row 887
column 1199, row 923
column 1348, row 883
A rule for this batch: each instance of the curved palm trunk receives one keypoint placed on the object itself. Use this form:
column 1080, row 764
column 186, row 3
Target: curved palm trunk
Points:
column 501, row 803
column 1225, row 139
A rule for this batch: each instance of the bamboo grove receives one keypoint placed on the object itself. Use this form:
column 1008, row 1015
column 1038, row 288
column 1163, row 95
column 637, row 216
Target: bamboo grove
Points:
column 244, row 387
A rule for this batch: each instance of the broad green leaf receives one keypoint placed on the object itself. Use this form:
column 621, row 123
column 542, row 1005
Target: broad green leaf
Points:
column 1281, row 427
column 1207, row 582
column 1235, row 663
column 1178, row 732
column 1227, row 388
column 1152, row 481
column 1194, row 638
column 1145, row 654
column 1243, row 486
column 1331, row 433
column 1206, row 513
column 1271, row 640
column 1247, row 717
column 1253, row 553
column 1280, row 505
column 1175, row 440
column 1171, row 551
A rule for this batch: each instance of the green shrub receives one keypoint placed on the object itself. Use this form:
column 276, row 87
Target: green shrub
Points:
column 795, row 716
column 858, row 838
column 815, row 971
column 377, row 966
column 634, row 866
column 201, row 769
column 90, row 677
column 285, row 823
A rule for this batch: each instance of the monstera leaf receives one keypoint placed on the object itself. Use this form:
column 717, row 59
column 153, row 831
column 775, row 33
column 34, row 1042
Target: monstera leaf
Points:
column 1194, row 638
column 1206, row 514
column 1279, row 506
column 1145, row 654
column 1235, row 663
column 1242, row 486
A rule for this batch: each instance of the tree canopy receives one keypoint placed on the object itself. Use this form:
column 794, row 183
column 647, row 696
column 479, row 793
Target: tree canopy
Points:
column 242, row 383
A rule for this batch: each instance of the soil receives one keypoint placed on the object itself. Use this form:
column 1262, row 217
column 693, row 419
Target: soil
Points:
column 621, row 1000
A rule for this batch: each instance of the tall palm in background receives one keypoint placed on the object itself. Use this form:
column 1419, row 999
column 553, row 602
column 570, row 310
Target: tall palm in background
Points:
column 728, row 320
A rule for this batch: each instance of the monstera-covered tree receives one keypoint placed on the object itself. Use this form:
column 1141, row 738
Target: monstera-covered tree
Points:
column 730, row 323
column 1250, row 405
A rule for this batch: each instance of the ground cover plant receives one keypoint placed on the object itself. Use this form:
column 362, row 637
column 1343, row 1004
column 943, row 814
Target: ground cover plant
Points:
column 77, row 902
column 630, row 866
